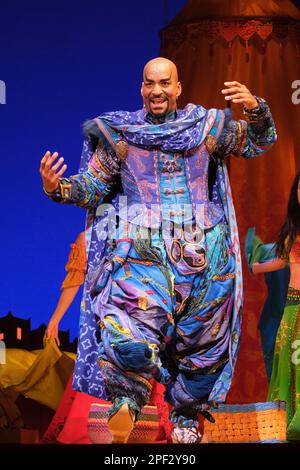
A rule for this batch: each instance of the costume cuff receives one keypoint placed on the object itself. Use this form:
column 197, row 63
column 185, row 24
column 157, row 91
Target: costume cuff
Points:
column 54, row 195
column 257, row 113
column 63, row 193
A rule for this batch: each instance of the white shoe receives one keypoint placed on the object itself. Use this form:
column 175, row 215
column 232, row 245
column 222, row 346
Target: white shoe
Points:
column 185, row 435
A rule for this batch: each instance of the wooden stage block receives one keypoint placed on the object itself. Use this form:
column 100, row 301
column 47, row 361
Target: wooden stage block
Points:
column 19, row 436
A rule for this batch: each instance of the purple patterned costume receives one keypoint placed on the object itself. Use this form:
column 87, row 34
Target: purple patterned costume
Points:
column 155, row 304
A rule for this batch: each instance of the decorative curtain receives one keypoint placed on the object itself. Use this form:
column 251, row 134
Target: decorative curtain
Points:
column 256, row 43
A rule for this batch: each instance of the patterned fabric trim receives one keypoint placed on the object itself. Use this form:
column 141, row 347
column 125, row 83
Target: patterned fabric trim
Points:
column 137, row 377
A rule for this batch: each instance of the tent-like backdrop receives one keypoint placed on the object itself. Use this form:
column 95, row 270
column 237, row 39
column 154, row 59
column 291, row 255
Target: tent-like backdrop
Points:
column 256, row 43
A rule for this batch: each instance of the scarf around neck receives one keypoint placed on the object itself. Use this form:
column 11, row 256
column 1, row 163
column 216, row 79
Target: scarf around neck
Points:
column 181, row 134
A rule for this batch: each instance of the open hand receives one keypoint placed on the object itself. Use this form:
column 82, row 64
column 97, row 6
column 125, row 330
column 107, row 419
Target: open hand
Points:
column 238, row 93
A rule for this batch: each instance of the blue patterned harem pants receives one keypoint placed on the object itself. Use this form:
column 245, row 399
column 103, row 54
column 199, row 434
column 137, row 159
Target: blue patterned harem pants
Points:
column 159, row 323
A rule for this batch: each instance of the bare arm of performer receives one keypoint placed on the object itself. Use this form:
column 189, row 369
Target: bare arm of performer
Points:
column 65, row 300
column 277, row 264
column 269, row 266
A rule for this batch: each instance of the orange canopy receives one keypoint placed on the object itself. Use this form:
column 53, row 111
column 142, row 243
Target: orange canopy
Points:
column 256, row 43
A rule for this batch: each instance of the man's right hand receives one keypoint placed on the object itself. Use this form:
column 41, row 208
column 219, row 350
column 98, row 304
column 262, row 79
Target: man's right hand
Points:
column 51, row 172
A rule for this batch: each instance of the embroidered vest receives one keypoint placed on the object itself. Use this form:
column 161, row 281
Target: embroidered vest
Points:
column 141, row 181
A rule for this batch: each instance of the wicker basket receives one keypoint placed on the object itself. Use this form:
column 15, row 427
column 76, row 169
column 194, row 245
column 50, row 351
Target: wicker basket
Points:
column 145, row 429
column 257, row 422
column 253, row 423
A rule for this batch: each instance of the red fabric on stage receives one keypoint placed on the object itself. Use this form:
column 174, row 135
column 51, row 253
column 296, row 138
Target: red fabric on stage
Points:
column 69, row 424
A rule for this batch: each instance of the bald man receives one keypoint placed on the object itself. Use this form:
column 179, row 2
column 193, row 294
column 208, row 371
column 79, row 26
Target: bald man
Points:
column 168, row 296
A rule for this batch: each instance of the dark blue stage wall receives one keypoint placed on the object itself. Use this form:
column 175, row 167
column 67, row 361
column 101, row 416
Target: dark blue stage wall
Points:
column 62, row 62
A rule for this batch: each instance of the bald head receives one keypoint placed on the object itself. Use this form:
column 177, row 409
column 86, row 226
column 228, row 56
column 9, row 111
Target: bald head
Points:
column 160, row 63
column 160, row 87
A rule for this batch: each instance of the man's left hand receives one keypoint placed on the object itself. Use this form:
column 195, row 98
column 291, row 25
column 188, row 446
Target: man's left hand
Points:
column 238, row 93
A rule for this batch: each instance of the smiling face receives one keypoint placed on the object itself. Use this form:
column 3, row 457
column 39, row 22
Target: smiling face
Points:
column 160, row 87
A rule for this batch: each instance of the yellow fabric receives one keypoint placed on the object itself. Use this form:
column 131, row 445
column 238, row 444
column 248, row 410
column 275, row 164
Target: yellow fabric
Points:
column 76, row 266
column 40, row 375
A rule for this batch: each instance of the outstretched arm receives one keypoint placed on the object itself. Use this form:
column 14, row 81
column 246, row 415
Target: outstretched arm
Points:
column 65, row 300
column 76, row 267
column 254, row 135
column 85, row 189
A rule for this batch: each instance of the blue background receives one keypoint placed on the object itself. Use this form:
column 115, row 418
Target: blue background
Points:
column 62, row 62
